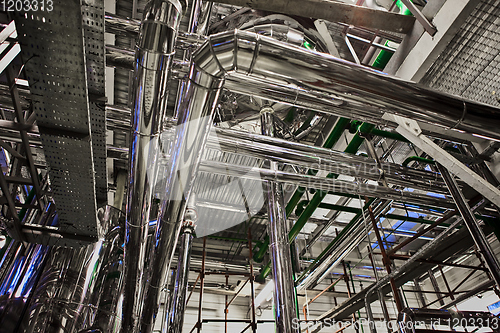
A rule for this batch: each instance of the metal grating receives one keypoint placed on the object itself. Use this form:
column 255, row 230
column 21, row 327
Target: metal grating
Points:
column 53, row 48
column 470, row 65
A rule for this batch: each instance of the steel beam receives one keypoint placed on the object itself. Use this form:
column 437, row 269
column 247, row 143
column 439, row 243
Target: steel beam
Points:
column 410, row 129
column 333, row 11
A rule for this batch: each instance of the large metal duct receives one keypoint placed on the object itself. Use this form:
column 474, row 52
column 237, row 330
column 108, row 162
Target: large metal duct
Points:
column 266, row 68
column 195, row 117
column 325, row 184
column 155, row 49
column 287, row 74
column 284, row 290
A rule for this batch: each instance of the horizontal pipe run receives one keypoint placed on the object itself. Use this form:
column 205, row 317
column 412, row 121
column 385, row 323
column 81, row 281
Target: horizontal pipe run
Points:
column 296, row 76
column 324, row 159
column 323, row 184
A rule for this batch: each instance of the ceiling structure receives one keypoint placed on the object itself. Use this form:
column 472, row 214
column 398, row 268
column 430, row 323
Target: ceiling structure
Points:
column 354, row 191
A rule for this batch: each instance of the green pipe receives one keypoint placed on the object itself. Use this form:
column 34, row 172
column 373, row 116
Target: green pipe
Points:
column 388, row 135
column 303, row 203
column 335, row 134
column 418, row 159
column 384, row 55
column 355, row 125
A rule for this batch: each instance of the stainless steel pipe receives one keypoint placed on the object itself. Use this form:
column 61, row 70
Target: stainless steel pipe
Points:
column 155, row 49
column 270, row 69
column 325, row 184
column 195, row 118
column 317, row 158
column 178, row 302
column 69, row 293
column 281, row 259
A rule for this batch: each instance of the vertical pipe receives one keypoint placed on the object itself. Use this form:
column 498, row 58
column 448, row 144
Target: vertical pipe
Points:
column 177, row 304
column 68, row 293
column 284, row 295
column 154, row 52
column 225, row 306
column 110, row 274
column 471, row 223
column 195, row 118
column 176, row 314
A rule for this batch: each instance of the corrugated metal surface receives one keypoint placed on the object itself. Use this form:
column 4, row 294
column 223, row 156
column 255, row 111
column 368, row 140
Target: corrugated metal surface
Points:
column 470, row 65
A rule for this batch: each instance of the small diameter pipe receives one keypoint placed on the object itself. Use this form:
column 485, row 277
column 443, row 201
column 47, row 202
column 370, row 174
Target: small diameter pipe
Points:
column 418, row 159
column 284, row 289
column 176, row 315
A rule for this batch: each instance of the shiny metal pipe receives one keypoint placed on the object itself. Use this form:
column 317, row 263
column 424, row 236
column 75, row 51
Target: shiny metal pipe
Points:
column 67, row 297
column 18, row 285
column 178, row 303
column 325, row 184
column 61, row 301
column 270, row 69
column 281, row 260
column 288, row 30
column 195, row 119
column 470, row 221
column 332, row 161
column 155, row 49
column 108, row 299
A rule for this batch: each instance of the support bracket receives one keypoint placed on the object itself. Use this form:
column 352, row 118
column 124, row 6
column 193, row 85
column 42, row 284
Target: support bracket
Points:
column 411, row 130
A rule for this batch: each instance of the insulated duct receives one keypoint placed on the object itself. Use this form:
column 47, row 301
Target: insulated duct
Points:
column 155, row 49
column 263, row 67
column 195, row 118
column 253, row 64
